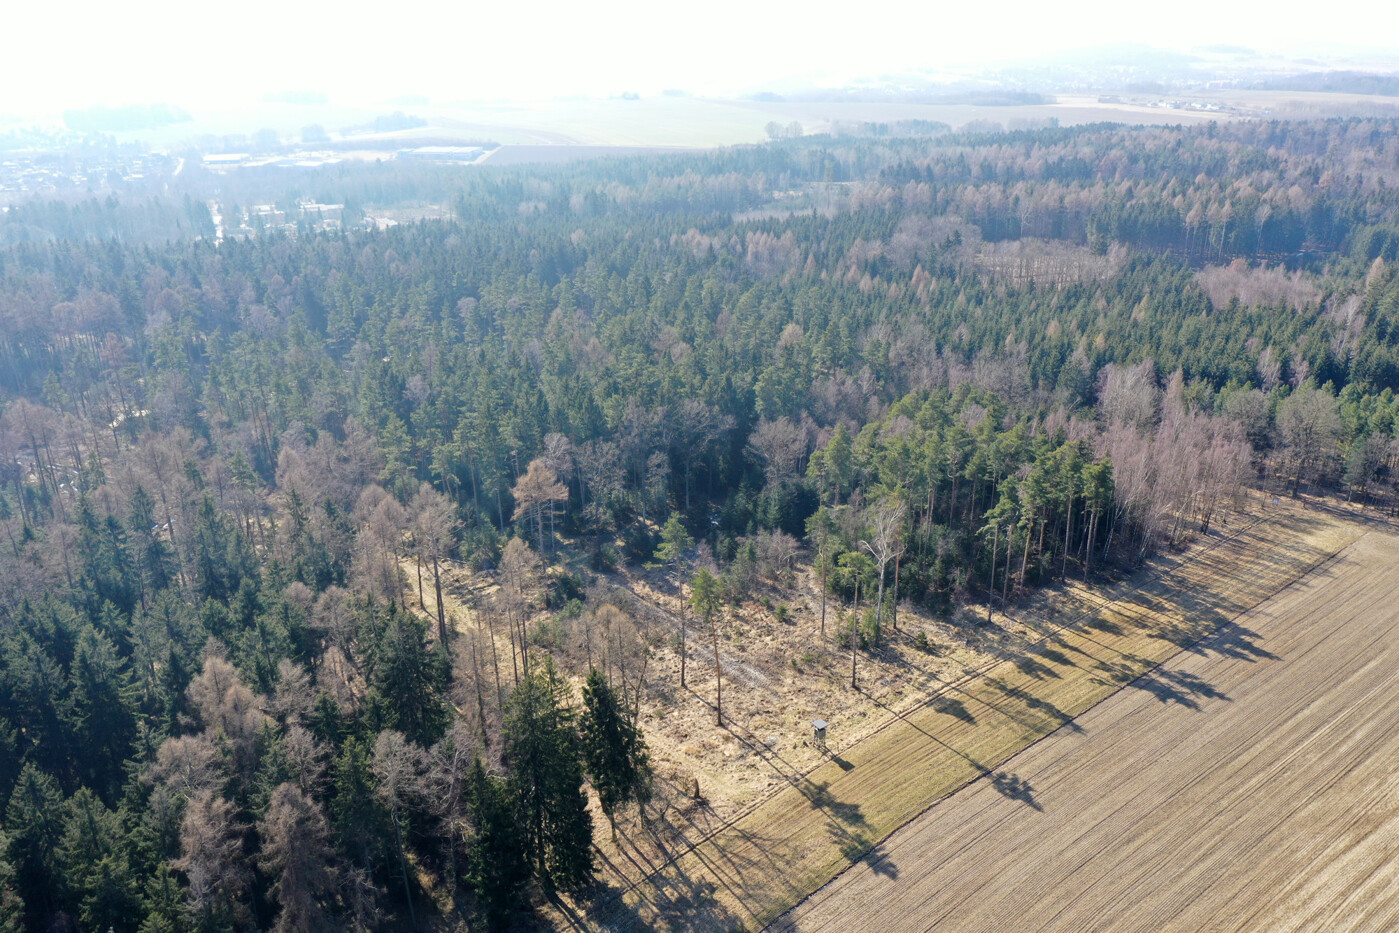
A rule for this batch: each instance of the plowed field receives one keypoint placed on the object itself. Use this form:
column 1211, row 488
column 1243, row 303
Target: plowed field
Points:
column 749, row 871
column 1247, row 784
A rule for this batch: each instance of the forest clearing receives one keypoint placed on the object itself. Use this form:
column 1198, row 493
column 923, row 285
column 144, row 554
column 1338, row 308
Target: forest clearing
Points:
column 1262, row 801
column 779, row 818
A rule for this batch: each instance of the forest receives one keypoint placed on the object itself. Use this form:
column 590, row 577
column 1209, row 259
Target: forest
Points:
column 931, row 372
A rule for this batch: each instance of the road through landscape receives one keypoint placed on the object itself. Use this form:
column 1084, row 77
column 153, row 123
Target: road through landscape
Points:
column 1246, row 784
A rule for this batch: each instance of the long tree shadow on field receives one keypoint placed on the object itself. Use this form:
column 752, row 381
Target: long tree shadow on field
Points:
column 951, row 706
column 683, row 894
column 1014, row 787
column 845, row 823
column 881, row 863
column 1184, row 688
column 1179, row 687
column 1233, row 640
column 1031, row 666
column 1054, row 714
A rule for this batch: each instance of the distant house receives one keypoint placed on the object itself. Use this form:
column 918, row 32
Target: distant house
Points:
column 440, row 154
column 226, row 159
column 266, row 217
column 321, row 216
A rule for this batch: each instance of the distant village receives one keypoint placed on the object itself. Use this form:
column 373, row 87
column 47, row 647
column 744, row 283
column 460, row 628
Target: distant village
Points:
column 68, row 170
column 29, row 172
column 443, row 155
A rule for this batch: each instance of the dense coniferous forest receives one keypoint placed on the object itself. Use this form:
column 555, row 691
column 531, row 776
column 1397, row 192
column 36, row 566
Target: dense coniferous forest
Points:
column 938, row 371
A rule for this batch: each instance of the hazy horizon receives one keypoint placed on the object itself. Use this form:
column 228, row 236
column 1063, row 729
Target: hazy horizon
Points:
column 149, row 52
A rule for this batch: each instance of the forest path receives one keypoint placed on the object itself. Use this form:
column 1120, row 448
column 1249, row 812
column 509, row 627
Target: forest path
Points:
column 1262, row 801
column 755, row 867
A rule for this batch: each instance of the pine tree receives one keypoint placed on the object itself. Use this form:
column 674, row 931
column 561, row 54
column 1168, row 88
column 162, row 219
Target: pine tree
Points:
column 675, row 541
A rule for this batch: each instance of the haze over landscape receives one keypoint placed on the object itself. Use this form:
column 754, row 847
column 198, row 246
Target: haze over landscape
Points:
column 751, row 467
column 214, row 59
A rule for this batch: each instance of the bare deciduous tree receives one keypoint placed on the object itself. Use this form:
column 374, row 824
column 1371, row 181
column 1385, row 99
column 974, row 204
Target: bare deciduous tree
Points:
column 538, row 488
column 187, row 764
column 296, row 851
column 398, row 764
column 1309, row 421
column 211, row 856
column 778, row 446
column 307, row 757
column 294, row 699
column 434, row 532
column 228, row 708
column 381, row 522
column 886, row 521
column 517, row 562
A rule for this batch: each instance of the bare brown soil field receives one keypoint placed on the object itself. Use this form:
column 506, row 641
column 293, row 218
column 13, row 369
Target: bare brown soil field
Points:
column 1247, row 784
column 745, row 869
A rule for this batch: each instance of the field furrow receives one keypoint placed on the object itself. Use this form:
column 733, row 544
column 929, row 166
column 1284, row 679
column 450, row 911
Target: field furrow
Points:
column 753, row 869
column 1264, row 802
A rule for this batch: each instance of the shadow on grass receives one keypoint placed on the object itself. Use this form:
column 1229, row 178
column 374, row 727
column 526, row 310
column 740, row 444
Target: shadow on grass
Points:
column 951, row 706
column 1045, row 708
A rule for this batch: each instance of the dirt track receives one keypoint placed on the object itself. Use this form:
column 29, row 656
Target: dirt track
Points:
column 749, row 871
column 1248, row 784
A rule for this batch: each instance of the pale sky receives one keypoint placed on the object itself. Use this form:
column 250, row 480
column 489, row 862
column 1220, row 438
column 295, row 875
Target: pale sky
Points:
column 224, row 54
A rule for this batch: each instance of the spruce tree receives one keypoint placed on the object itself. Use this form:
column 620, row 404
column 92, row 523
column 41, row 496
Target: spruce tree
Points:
column 153, row 559
column 34, row 822
column 542, row 748
column 409, row 680
column 613, row 749
column 497, row 866
column 95, row 871
column 11, row 905
column 103, row 711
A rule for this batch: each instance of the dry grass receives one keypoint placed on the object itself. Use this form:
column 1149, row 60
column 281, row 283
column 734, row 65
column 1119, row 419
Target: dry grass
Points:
column 1260, row 799
column 778, row 818
column 748, row 870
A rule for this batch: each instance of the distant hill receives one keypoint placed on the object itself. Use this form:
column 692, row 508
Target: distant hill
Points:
column 1336, row 82
column 977, row 98
column 124, row 119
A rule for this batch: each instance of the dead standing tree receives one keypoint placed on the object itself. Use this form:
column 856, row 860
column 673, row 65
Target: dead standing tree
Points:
column 886, row 531
column 516, row 562
column 434, row 531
